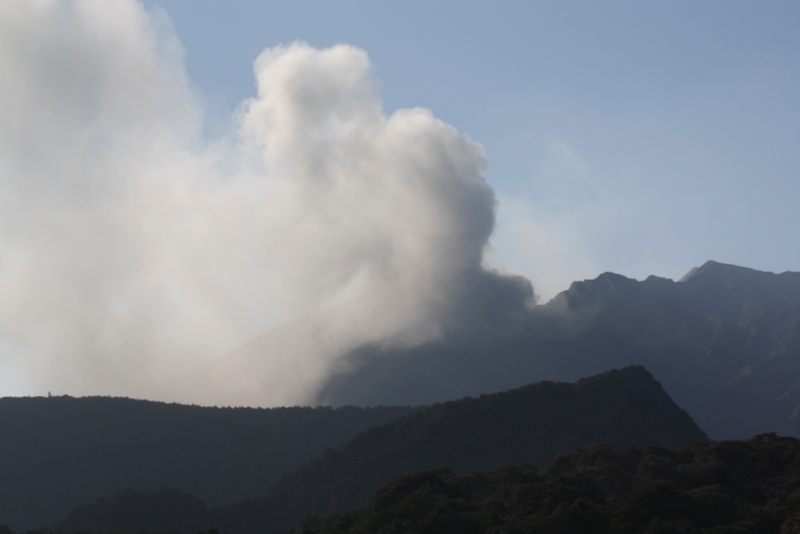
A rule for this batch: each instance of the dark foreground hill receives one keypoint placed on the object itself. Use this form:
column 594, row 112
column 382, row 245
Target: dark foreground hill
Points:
column 724, row 341
column 532, row 424
column 61, row 451
column 725, row 487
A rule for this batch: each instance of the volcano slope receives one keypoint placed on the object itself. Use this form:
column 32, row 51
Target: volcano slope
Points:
column 724, row 341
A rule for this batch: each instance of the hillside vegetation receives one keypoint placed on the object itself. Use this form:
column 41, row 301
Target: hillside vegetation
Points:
column 59, row 452
column 532, row 424
column 727, row 487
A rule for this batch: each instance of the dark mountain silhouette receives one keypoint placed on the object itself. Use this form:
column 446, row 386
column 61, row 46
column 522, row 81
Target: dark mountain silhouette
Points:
column 709, row 488
column 724, row 341
column 531, row 424
column 143, row 511
column 62, row 451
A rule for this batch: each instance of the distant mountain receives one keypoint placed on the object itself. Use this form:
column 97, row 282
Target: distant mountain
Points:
column 532, row 424
column 62, row 451
column 724, row 341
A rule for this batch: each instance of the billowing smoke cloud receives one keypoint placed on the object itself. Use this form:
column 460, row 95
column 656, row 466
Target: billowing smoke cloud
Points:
column 133, row 256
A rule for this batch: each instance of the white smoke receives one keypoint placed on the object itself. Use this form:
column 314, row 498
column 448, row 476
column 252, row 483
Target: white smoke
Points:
column 132, row 255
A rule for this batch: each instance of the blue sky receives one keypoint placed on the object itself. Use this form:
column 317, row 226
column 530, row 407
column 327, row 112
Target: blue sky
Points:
column 639, row 138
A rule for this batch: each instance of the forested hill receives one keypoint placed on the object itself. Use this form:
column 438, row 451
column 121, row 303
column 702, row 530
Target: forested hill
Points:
column 532, row 424
column 733, row 487
column 62, row 451
column 622, row 408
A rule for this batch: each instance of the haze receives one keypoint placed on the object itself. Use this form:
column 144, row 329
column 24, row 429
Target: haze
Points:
column 136, row 256
column 152, row 221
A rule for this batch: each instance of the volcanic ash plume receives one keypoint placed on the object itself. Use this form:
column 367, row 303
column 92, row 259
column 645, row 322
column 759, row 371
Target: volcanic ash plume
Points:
column 135, row 255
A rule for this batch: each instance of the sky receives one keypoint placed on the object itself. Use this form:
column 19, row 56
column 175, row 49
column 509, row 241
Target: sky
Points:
column 178, row 177
column 634, row 137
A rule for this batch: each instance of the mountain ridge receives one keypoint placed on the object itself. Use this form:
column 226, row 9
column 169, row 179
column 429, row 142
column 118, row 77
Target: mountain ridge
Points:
column 724, row 342
column 534, row 424
column 58, row 452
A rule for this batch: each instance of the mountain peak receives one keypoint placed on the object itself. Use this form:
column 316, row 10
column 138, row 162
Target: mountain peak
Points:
column 721, row 269
column 723, row 281
column 630, row 373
